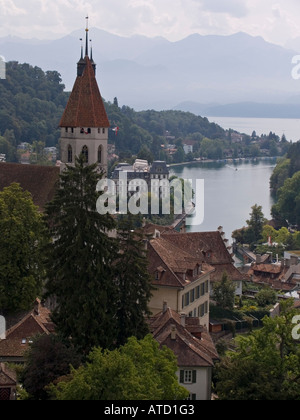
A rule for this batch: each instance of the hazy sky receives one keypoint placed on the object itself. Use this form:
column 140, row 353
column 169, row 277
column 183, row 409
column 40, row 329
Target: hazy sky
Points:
column 276, row 21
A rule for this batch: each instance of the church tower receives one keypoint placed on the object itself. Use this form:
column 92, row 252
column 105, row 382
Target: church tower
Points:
column 84, row 124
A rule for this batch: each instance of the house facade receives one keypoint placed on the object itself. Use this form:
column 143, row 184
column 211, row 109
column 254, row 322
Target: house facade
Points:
column 180, row 279
column 193, row 347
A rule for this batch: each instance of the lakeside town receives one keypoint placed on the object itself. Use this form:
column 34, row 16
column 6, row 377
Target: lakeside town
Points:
column 142, row 309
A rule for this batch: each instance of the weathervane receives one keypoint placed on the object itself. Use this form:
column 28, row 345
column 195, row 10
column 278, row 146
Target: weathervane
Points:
column 87, row 37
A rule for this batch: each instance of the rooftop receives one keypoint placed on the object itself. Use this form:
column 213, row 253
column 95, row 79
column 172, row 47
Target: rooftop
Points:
column 85, row 107
column 191, row 343
column 40, row 181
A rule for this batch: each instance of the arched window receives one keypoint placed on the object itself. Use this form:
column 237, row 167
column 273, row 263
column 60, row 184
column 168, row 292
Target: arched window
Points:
column 85, row 152
column 70, row 154
column 100, row 154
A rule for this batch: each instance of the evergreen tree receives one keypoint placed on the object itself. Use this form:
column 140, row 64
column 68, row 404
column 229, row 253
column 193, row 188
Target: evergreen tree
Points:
column 256, row 223
column 80, row 260
column 133, row 282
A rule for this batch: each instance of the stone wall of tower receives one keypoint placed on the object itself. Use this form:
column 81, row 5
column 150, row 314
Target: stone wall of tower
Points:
column 74, row 140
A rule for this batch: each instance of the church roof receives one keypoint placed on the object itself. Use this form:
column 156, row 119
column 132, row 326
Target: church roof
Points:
column 85, row 107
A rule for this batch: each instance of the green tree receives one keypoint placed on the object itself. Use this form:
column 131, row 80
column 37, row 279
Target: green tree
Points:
column 266, row 364
column 224, row 292
column 138, row 371
column 288, row 204
column 266, row 297
column 22, row 235
column 80, row 260
column 133, row 283
column 48, row 358
column 256, row 222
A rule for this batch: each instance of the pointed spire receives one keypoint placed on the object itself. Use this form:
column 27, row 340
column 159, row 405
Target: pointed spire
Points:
column 81, row 58
column 91, row 50
column 87, row 37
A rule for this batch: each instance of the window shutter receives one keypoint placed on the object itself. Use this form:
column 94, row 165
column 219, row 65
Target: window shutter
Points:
column 182, row 376
column 194, row 376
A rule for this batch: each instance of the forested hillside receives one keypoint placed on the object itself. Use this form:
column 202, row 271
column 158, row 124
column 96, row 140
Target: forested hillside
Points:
column 32, row 102
column 285, row 182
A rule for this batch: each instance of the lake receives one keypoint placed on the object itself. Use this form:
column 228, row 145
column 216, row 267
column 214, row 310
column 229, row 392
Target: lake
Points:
column 279, row 126
column 230, row 190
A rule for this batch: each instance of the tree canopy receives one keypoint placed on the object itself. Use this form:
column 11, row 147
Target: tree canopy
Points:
column 139, row 370
column 22, row 237
column 265, row 365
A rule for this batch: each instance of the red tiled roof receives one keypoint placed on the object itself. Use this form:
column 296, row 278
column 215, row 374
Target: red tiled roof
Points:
column 189, row 350
column 85, row 107
column 7, row 376
column 29, row 326
column 208, row 247
column 40, row 181
column 173, row 264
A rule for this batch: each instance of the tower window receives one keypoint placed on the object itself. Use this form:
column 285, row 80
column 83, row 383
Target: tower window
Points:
column 100, row 154
column 85, row 153
column 103, row 131
column 70, row 154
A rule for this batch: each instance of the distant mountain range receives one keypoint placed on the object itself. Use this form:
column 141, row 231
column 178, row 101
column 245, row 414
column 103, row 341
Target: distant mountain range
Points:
column 237, row 75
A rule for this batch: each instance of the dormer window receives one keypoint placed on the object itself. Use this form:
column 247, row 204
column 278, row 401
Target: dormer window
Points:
column 157, row 276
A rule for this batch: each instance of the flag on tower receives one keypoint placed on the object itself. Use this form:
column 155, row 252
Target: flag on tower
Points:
column 116, row 130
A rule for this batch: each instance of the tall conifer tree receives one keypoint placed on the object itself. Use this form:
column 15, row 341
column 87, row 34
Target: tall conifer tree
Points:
column 80, row 260
column 133, row 282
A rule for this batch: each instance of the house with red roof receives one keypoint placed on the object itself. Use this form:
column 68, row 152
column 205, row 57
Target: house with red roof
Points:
column 193, row 347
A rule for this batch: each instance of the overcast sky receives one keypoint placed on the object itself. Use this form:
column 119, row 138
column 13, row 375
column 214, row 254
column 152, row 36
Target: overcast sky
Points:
column 276, row 21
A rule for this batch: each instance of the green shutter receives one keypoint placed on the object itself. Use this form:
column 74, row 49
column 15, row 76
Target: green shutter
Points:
column 194, row 376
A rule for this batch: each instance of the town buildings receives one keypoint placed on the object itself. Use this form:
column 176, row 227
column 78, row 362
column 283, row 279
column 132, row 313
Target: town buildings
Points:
column 182, row 265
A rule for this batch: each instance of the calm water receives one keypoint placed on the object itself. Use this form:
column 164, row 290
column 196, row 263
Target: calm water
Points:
column 280, row 126
column 230, row 193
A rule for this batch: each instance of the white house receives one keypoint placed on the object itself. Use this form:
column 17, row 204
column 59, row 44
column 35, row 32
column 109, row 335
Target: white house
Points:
column 193, row 348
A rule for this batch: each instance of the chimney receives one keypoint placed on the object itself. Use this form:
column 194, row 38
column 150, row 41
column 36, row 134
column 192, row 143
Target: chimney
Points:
column 165, row 307
column 145, row 241
column 183, row 319
column 36, row 307
column 258, row 259
column 173, row 333
column 294, row 260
